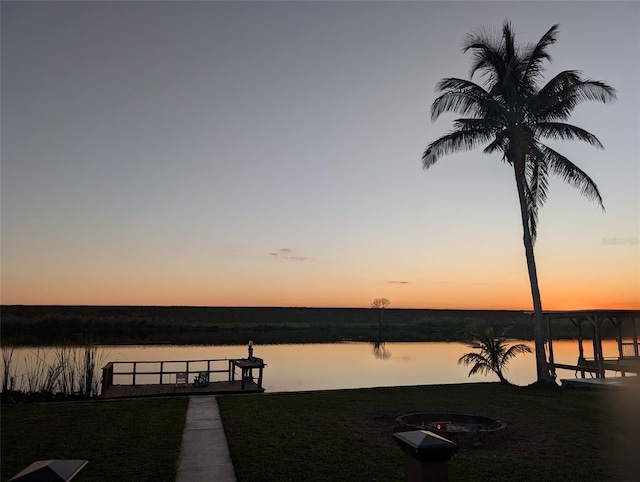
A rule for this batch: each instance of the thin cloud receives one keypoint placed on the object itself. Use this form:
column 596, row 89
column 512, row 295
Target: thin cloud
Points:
column 281, row 252
column 399, row 282
column 286, row 253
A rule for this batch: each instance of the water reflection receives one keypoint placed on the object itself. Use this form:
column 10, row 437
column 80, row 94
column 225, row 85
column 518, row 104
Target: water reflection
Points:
column 326, row 366
column 380, row 350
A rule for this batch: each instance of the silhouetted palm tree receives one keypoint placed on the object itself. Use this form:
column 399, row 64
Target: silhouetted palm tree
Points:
column 494, row 353
column 510, row 114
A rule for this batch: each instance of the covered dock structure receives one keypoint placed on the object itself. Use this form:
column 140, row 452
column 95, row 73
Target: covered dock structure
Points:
column 589, row 325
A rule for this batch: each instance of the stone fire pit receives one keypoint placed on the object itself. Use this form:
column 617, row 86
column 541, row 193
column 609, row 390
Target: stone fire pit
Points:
column 468, row 431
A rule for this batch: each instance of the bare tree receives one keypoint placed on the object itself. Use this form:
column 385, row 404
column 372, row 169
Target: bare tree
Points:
column 380, row 304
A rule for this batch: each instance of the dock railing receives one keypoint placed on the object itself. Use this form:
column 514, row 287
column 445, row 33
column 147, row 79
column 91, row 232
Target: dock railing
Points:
column 629, row 349
column 161, row 372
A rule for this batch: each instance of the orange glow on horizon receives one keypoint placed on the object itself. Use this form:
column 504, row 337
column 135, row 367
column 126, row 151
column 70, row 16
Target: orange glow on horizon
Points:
column 480, row 290
column 551, row 302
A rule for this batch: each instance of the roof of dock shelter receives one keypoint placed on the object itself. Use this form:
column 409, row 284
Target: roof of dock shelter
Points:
column 588, row 313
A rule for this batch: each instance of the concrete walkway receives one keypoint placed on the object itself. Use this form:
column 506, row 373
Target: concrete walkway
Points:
column 204, row 455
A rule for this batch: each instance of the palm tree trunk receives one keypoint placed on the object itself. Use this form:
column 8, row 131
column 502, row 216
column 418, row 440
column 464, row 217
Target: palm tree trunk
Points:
column 542, row 368
column 502, row 378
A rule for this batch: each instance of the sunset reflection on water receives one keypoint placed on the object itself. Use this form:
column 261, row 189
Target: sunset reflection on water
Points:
column 299, row 367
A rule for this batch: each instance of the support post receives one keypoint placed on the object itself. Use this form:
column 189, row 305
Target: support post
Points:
column 618, row 323
column 107, row 378
column 552, row 367
column 635, row 337
column 581, row 360
column 597, row 346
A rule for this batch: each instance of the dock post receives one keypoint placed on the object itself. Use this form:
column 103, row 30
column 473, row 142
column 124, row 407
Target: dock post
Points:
column 581, row 361
column 107, row 378
column 550, row 344
column 598, row 346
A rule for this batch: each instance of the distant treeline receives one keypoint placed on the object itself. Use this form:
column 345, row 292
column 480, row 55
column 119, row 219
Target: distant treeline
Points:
column 209, row 325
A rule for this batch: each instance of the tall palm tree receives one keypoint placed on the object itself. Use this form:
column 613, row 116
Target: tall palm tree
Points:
column 510, row 114
column 494, row 354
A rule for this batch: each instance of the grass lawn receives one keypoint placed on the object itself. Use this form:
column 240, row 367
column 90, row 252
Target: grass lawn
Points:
column 124, row 440
column 554, row 435
column 340, row 435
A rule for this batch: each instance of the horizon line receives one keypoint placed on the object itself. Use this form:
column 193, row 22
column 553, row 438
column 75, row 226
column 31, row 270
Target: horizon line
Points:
column 524, row 310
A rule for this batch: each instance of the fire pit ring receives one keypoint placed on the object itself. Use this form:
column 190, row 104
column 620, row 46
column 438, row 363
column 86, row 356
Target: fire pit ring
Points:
column 468, row 431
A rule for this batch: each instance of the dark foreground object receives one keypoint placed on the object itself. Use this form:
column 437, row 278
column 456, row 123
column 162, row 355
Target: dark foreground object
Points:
column 50, row 471
column 426, row 455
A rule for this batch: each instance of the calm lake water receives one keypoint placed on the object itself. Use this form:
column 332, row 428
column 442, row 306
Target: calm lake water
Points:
column 337, row 365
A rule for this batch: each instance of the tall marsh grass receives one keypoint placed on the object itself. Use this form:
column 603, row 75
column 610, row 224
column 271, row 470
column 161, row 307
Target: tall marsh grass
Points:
column 8, row 370
column 59, row 372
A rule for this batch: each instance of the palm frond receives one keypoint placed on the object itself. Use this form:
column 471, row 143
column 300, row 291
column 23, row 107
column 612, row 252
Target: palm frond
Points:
column 487, row 59
column 512, row 352
column 489, row 124
column 453, row 142
column 571, row 174
column 500, row 143
column 480, row 368
column 536, row 186
column 536, row 54
column 593, row 90
column 470, row 100
column 508, row 41
column 559, row 97
column 469, row 358
column 480, row 364
column 563, row 132
column 517, row 349
column 559, row 83
column 462, row 103
column 461, row 85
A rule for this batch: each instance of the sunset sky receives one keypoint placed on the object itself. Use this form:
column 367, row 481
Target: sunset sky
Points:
column 269, row 154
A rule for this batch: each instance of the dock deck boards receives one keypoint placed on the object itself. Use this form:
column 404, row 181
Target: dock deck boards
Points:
column 133, row 391
column 597, row 382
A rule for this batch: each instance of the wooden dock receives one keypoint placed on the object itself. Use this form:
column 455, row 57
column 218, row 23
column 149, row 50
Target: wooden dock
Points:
column 628, row 359
column 156, row 390
column 127, row 379
column 591, row 383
